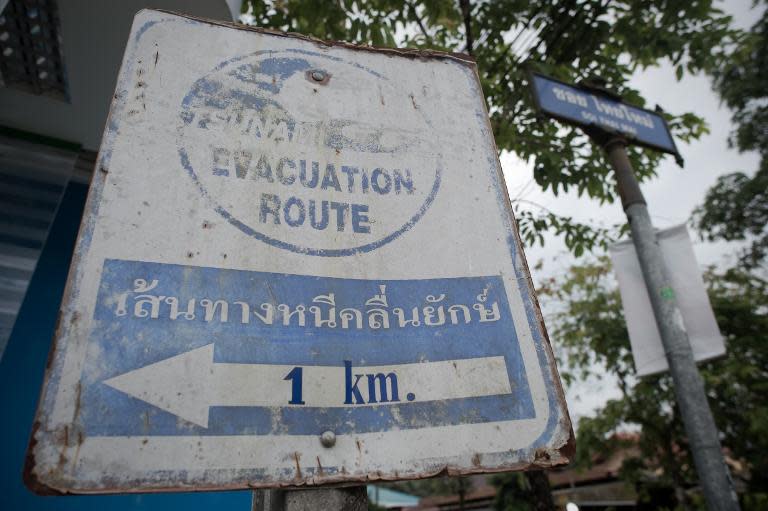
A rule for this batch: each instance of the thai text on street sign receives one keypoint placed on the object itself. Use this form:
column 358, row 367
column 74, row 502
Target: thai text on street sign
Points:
column 584, row 107
column 298, row 265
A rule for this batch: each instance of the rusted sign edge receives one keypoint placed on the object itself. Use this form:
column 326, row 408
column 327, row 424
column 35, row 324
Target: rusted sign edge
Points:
column 544, row 460
column 567, row 450
column 539, row 458
column 91, row 204
column 414, row 53
column 90, row 209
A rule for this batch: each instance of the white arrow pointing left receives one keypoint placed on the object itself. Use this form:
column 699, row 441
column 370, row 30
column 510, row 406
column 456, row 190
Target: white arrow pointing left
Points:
column 187, row 385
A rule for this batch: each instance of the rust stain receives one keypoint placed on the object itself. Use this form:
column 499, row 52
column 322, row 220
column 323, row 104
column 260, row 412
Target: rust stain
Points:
column 568, row 450
column 80, row 441
column 62, row 460
column 29, row 476
column 319, row 467
column 296, row 458
column 476, row 459
column 344, row 478
column 542, row 455
column 64, row 443
column 52, row 350
column 404, row 52
column 78, row 395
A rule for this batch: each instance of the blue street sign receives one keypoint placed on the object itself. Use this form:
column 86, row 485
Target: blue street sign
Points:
column 586, row 108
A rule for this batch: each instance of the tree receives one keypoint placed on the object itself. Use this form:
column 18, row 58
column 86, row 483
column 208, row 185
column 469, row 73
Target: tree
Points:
column 736, row 207
column 523, row 492
column 590, row 330
column 569, row 39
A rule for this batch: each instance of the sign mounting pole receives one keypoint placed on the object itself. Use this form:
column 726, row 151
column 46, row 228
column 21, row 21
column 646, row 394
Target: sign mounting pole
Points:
column 689, row 386
column 352, row 498
column 613, row 124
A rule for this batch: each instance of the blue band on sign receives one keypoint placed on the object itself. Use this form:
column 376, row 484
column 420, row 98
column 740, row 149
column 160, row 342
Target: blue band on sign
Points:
column 150, row 312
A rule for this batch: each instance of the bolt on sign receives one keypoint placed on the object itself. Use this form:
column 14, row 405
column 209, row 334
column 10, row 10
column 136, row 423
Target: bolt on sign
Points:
column 298, row 266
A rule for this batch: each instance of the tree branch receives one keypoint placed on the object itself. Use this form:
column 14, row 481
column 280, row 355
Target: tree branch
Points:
column 466, row 14
column 419, row 22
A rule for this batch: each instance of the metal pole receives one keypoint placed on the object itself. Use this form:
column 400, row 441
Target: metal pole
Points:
column 351, row 498
column 697, row 417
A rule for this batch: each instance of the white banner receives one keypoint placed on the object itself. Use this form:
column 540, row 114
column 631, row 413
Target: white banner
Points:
column 691, row 295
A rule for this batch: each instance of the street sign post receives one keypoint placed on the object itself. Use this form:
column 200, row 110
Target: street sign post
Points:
column 298, row 266
column 572, row 104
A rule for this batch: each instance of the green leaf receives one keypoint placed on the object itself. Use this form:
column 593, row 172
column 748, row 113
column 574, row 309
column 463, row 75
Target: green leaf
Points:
column 567, row 39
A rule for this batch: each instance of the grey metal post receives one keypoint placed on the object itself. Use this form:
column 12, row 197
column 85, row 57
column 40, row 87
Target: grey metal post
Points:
column 351, row 498
column 697, row 417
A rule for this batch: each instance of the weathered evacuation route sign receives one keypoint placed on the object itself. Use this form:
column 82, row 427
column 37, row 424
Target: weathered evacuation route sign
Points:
column 584, row 107
column 287, row 240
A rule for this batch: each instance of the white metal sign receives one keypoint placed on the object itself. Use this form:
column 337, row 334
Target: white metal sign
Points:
column 298, row 265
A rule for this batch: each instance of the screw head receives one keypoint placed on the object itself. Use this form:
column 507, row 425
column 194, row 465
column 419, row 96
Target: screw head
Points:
column 328, row 439
column 318, row 75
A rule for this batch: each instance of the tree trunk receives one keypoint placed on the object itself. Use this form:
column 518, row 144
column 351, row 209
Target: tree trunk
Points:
column 542, row 494
column 350, row 498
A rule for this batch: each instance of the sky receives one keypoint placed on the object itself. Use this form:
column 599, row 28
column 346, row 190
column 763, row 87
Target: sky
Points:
column 671, row 196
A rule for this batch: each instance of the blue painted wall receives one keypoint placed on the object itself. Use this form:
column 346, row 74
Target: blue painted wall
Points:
column 21, row 376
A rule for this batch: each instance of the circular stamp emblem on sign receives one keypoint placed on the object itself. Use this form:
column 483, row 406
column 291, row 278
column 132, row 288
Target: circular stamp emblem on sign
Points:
column 308, row 152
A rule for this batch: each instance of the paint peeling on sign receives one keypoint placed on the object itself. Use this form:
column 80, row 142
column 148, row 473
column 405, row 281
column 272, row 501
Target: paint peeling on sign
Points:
column 298, row 266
